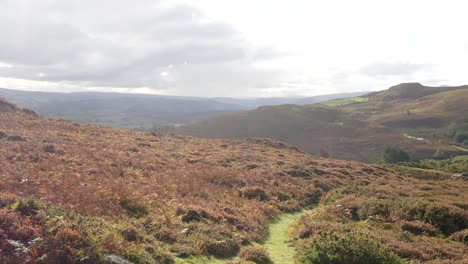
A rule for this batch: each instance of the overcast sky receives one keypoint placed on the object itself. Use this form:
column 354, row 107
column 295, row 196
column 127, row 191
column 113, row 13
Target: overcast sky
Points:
column 231, row 48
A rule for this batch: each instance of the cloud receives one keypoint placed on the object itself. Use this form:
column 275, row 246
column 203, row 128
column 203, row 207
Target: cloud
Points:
column 385, row 69
column 128, row 44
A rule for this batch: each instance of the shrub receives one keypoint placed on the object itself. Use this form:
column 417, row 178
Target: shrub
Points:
column 255, row 254
column 373, row 207
column 283, row 196
column 27, row 207
column 130, row 234
column 193, row 215
column 254, row 193
column 461, row 137
column 418, row 228
column 461, row 236
column 167, row 235
column 299, row 172
column 223, row 249
column 134, row 209
column 394, row 154
column 444, row 219
column 15, row 138
column 347, row 247
column 49, row 148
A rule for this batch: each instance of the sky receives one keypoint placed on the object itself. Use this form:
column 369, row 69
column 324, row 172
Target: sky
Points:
column 242, row 48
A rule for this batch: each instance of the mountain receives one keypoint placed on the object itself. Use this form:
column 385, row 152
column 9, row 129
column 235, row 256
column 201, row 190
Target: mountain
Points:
column 418, row 118
column 139, row 111
column 76, row 193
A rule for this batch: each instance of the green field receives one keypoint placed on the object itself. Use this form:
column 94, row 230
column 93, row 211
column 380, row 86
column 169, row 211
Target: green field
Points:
column 345, row 101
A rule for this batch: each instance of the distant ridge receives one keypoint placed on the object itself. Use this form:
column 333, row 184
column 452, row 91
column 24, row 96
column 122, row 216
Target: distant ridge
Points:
column 411, row 115
column 143, row 111
column 411, row 91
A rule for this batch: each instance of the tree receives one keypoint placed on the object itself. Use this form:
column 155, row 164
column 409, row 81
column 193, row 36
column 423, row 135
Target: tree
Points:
column 394, row 154
column 461, row 137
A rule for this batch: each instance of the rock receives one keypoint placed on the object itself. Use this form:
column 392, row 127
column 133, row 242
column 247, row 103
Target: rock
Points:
column 460, row 176
column 114, row 259
column 3, row 135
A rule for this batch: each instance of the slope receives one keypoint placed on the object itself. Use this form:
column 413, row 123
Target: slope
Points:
column 72, row 193
column 355, row 128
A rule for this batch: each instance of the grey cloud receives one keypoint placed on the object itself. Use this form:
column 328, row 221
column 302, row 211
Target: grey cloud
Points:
column 383, row 69
column 126, row 44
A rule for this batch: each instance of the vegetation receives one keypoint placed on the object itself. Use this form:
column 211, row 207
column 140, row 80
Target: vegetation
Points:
column 394, row 154
column 347, row 246
column 255, row 254
column 458, row 132
column 357, row 128
column 416, row 218
column 72, row 193
column 149, row 201
column 346, row 101
column 457, row 164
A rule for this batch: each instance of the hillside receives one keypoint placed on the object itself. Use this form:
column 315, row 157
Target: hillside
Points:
column 72, row 193
column 119, row 110
column 356, row 128
column 141, row 111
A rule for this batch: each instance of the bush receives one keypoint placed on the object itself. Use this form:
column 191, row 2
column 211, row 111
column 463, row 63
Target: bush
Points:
column 195, row 215
column 27, row 207
column 461, row 137
column 254, row 193
column 418, row 228
column 255, row 254
column 223, row 249
column 446, row 220
column 133, row 209
column 347, row 247
column 461, row 236
column 394, row 154
column 49, row 148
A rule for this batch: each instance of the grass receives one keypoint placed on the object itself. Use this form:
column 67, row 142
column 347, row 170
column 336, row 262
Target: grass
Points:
column 280, row 251
column 460, row 148
column 204, row 260
column 345, row 101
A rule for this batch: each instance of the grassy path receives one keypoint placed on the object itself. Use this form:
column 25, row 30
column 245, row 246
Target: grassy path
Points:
column 277, row 242
column 460, row 148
